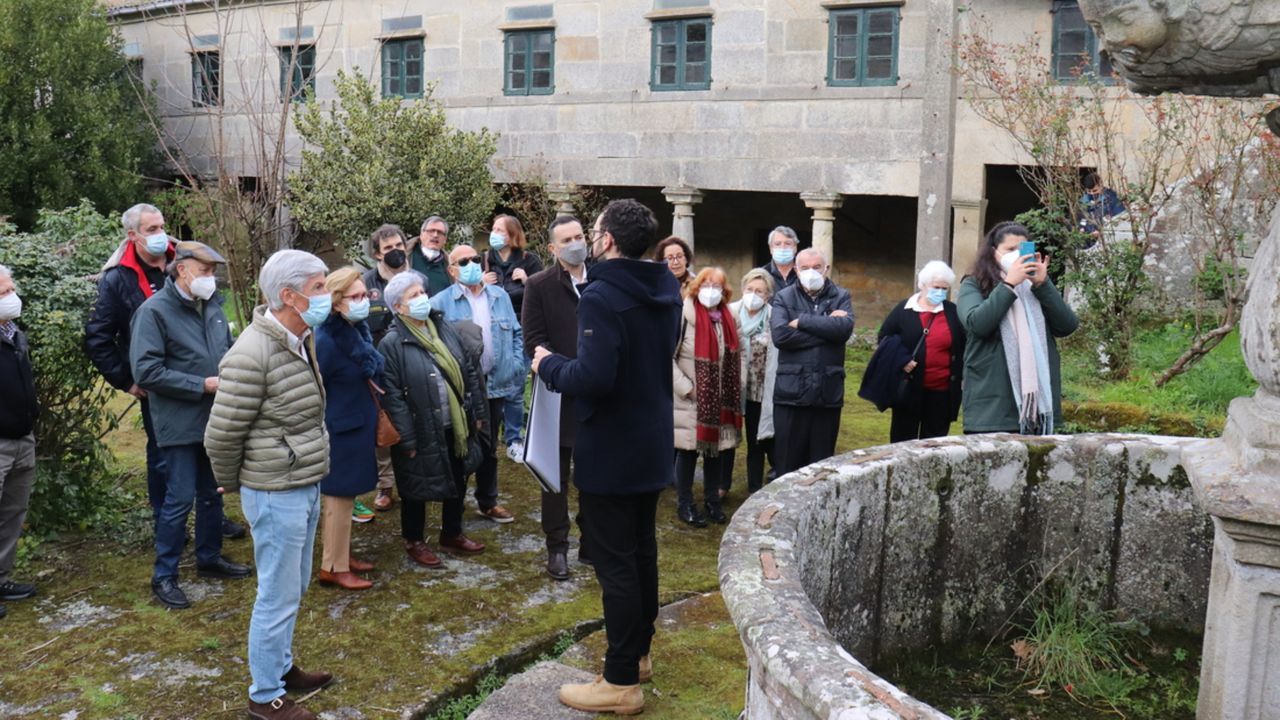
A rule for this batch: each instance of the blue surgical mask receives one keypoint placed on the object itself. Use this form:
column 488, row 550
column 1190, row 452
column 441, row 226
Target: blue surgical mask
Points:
column 318, row 309
column 497, row 241
column 937, row 296
column 783, row 256
column 420, row 308
column 470, row 273
column 157, row 244
column 357, row 310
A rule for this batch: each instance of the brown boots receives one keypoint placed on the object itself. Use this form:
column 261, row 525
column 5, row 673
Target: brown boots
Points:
column 603, row 696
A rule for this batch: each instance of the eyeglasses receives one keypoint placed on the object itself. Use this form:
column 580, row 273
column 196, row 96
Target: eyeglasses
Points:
column 595, row 234
column 669, row 259
column 441, row 233
column 468, row 260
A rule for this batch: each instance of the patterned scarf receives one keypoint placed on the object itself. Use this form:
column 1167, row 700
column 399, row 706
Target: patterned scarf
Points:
column 8, row 329
column 717, row 385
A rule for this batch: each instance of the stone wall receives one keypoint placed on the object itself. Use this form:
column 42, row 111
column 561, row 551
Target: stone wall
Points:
column 928, row 543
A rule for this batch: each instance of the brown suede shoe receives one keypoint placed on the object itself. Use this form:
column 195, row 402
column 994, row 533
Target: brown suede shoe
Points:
column 281, row 708
column 421, row 554
column 299, row 680
column 384, row 501
column 603, row 696
column 344, row 580
column 461, row 544
column 359, row 565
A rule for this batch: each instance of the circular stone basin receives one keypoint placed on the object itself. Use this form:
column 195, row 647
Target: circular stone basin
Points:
column 921, row 544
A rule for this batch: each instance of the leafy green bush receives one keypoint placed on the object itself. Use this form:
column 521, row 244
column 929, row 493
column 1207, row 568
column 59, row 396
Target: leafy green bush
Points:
column 51, row 268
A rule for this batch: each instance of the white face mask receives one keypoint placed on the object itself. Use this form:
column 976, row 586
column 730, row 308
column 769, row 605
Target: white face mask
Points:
column 204, row 287
column 431, row 253
column 710, row 297
column 10, row 307
column 811, row 279
column 753, row 301
column 1008, row 259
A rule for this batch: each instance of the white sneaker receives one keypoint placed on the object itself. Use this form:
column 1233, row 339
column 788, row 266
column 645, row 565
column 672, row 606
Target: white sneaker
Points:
column 515, row 451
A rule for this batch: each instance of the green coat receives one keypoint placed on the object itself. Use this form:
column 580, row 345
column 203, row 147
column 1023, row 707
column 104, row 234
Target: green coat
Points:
column 436, row 271
column 988, row 395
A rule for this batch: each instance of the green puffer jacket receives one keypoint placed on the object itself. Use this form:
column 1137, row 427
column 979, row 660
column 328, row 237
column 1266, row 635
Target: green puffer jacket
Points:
column 988, row 394
column 266, row 430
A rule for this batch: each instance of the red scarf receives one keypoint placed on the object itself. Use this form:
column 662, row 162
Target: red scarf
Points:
column 717, row 385
column 129, row 258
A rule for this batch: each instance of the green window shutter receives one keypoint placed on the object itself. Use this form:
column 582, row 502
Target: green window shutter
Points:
column 862, row 47
column 402, row 68
column 529, row 62
column 681, row 54
column 206, row 80
column 297, row 72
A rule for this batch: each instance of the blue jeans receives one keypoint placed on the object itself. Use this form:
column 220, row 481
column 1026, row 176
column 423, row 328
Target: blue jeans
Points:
column 190, row 483
column 283, row 525
column 155, row 462
column 512, row 418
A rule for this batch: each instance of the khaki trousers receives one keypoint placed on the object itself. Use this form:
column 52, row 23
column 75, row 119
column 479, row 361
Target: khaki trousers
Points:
column 335, row 539
column 386, row 477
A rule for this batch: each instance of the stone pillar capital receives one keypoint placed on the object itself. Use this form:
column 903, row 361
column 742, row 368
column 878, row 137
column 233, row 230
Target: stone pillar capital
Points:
column 823, row 204
column 562, row 194
column 683, row 197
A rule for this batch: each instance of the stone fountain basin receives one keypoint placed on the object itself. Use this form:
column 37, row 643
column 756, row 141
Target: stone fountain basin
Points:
column 898, row 548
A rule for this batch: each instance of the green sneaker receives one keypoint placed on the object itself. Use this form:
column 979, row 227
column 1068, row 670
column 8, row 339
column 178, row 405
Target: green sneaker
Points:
column 360, row 513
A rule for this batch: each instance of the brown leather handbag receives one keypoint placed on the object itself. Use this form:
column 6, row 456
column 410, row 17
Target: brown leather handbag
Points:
column 387, row 434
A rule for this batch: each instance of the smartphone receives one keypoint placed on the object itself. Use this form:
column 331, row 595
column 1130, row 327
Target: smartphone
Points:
column 1027, row 247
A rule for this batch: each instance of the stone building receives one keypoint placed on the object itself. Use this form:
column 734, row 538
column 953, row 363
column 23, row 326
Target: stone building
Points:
column 727, row 117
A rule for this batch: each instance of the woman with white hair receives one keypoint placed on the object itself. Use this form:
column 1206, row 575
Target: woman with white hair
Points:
column 937, row 366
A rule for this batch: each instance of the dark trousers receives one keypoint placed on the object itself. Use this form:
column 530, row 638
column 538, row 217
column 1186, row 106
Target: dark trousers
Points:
column 413, row 513
column 757, row 451
column 555, row 511
column 190, row 483
column 712, row 478
column 803, row 435
column 624, row 548
column 929, row 418
column 487, row 473
column 155, row 461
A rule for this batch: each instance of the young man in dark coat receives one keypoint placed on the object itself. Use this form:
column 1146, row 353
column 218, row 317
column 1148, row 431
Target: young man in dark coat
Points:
column 388, row 247
column 18, row 412
column 628, row 326
column 811, row 322
column 179, row 336
column 551, row 320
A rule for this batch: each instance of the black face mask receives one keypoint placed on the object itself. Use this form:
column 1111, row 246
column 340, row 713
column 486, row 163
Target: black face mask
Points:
column 394, row 259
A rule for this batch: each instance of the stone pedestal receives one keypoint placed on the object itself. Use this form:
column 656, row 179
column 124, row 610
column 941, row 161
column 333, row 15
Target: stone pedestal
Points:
column 683, row 198
column 824, row 205
column 562, row 195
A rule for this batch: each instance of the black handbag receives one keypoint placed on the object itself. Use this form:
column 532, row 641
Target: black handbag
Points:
column 902, row 392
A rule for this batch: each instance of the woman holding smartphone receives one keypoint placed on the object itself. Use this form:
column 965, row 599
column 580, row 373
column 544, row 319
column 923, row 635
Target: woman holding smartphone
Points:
column 1012, row 315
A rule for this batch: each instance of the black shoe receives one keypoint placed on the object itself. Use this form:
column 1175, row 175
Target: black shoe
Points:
column 692, row 517
column 585, row 559
column 224, row 569
column 10, row 590
column 169, row 594
column 558, row 566
column 716, row 515
column 232, row 530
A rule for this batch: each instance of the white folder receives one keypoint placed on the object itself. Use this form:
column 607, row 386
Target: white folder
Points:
column 542, row 440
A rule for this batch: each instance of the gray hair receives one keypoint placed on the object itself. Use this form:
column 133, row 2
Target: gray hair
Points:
column 814, row 251
column 786, row 232
column 935, row 270
column 287, row 269
column 132, row 218
column 401, row 284
column 434, row 218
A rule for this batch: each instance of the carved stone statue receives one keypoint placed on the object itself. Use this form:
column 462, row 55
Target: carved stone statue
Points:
column 1198, row 47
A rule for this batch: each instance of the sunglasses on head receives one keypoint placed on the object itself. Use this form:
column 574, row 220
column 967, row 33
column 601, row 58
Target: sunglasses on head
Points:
column 468, row 260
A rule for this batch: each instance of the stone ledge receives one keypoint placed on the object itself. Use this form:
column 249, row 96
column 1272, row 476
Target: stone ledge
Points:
column 534, row 695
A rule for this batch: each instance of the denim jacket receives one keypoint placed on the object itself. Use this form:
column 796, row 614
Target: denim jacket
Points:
column 510, row 366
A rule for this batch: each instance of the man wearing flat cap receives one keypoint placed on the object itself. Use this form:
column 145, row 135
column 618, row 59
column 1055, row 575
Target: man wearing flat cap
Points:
column 178, row 337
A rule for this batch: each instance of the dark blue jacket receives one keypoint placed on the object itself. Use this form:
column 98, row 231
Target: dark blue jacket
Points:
column 18, row 406
column 628, row 326
column 811, row 356
column 348, row 360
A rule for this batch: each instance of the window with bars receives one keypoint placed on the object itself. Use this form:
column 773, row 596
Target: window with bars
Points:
column 529, row 62
column 681, row 54
column 206, row 79
column 1076, row 50
column 402, row 68
column 297, row 72
column 863, row 46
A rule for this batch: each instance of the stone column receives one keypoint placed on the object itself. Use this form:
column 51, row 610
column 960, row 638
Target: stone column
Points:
column 970, row 216
column 562, row 195
column 683, row 198
column 1237, row 481
column 824, row 205
column 938, row 134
